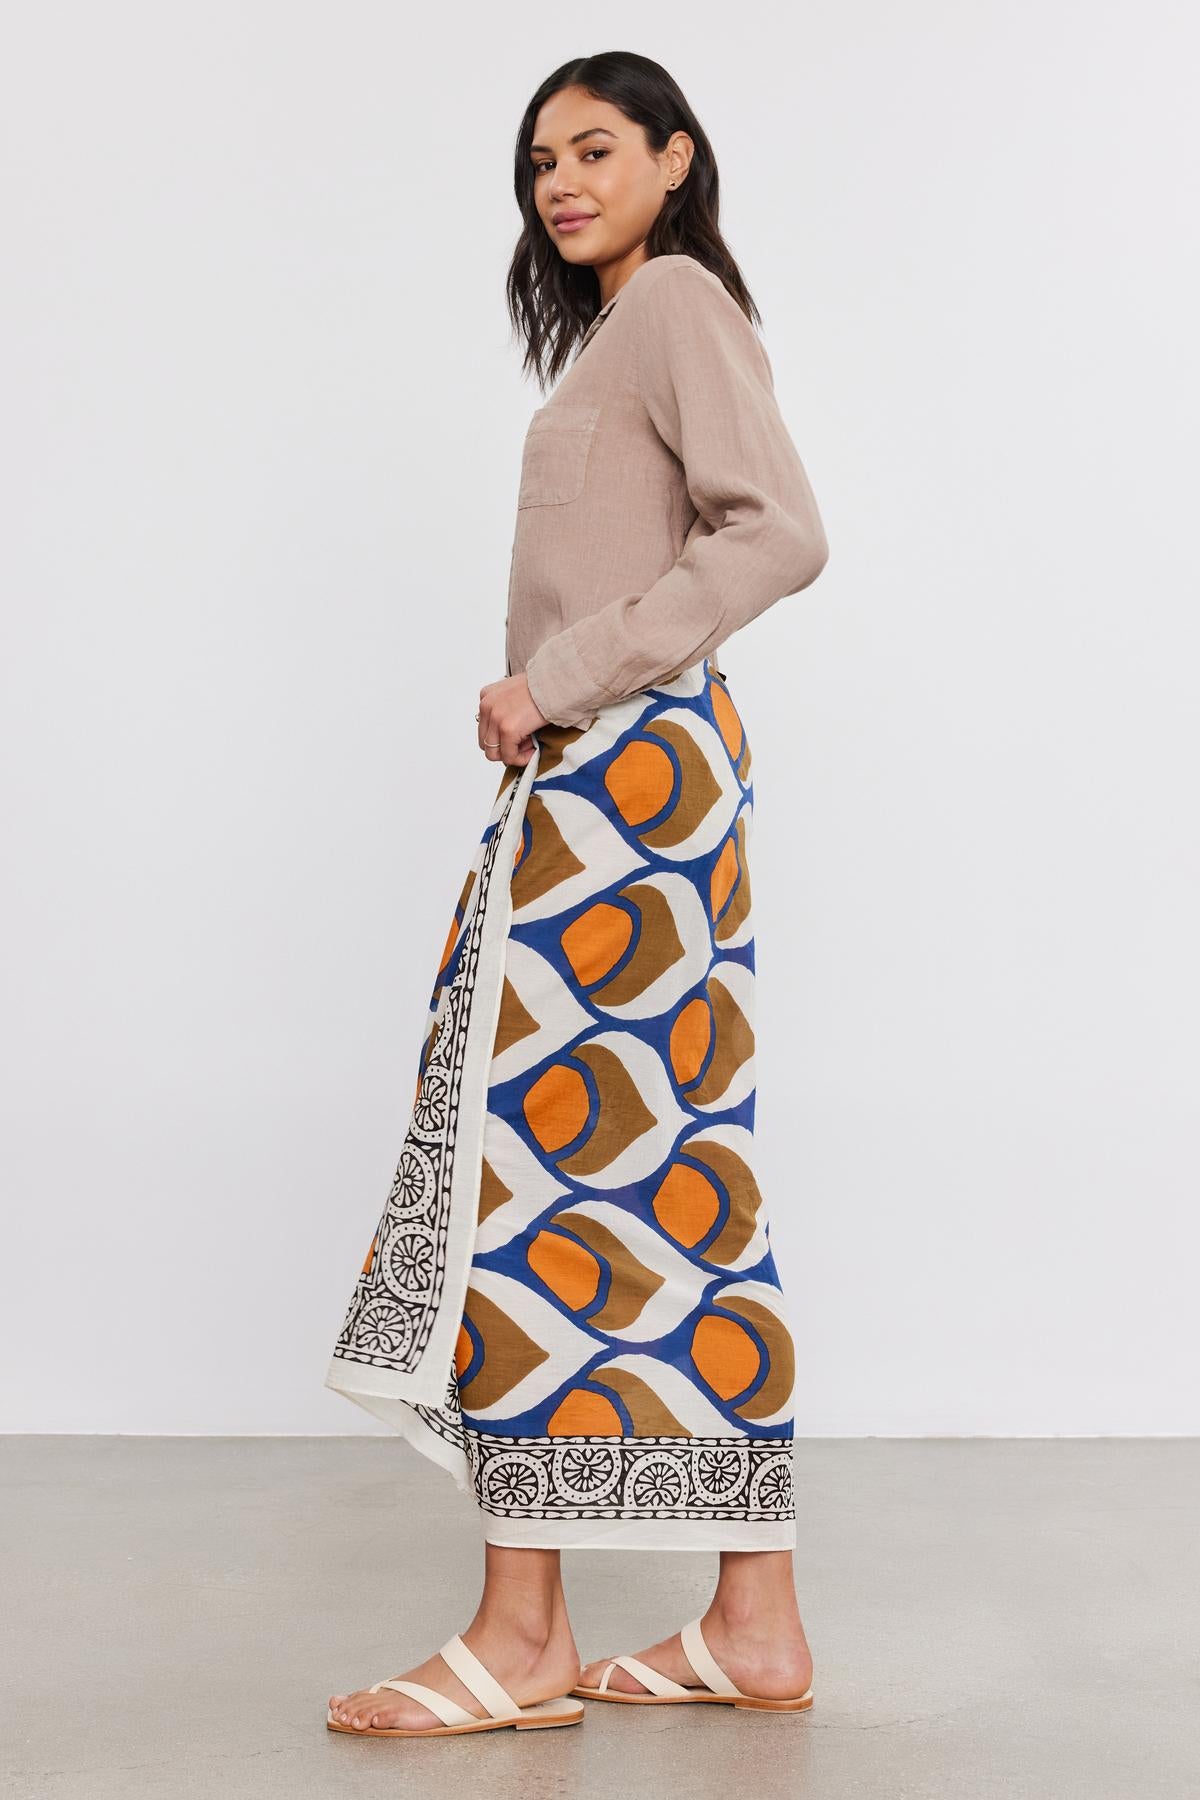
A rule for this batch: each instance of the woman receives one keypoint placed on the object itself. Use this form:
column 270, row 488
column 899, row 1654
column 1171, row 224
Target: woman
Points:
column 571, row 1302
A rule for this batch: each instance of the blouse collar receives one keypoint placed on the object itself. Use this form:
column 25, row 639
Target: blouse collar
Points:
column 606, row 308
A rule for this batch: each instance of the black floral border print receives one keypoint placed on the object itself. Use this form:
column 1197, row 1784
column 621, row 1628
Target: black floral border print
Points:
column 395, row 1302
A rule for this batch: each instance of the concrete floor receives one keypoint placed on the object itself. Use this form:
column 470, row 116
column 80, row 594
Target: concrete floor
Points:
column 987, row 1617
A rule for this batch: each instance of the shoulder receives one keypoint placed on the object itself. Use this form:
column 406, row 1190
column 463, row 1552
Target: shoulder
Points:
column 685, row 311
column 678, row 299
column 680, row 280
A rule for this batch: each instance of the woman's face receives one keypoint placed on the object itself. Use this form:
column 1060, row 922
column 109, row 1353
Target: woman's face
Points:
column 592, row 165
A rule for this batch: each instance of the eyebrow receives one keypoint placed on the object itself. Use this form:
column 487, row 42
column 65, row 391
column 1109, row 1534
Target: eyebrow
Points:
column 593, row 131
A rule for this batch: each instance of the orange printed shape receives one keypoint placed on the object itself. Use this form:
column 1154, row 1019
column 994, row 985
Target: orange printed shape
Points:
column 726, row 1357
column 582, row 1414
column 724, row 877
column 556, row 1107
column 726, row 715
column 690, row 1035
column 567, row 1268
column 686, row 1205
column 640, row 780
column 595, row 942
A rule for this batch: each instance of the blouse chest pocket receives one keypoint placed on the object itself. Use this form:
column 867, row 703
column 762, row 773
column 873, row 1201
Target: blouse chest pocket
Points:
column 554, row 461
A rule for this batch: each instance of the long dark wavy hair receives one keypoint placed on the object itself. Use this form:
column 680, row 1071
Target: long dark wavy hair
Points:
column 552, row 302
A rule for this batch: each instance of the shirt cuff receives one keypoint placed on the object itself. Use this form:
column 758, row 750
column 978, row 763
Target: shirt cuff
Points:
column 560, row 684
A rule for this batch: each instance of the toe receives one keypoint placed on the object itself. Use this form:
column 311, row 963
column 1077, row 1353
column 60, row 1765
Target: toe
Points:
column 347, row 1707
column 619, row 1681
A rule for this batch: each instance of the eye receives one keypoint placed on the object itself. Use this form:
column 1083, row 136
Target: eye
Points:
column 596, row 151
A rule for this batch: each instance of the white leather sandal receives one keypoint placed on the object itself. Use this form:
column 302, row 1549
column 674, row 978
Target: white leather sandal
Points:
column 665, row 1692
column 502, row 1708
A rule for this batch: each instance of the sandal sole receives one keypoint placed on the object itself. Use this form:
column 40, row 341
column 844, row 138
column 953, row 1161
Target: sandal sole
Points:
column 748, row 1701
column 532, row 1720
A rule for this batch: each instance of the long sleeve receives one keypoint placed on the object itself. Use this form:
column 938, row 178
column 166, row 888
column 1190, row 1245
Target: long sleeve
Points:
column 707, row 386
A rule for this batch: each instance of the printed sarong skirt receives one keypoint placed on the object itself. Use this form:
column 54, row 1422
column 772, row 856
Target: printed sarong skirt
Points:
column 570, row 1301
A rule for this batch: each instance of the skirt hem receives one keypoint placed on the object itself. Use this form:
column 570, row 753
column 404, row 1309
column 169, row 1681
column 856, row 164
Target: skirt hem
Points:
column 403, row 1418
column 574, row 1534
column 646, row 1534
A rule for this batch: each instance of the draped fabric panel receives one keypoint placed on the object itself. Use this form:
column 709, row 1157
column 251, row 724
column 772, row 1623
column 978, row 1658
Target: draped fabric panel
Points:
column 570, row 1301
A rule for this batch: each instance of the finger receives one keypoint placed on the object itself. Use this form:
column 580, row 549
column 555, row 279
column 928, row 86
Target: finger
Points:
column 510, row 746
column 491, row 741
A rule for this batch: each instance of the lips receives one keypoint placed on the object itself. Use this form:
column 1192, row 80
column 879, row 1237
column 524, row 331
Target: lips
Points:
column 575, row 218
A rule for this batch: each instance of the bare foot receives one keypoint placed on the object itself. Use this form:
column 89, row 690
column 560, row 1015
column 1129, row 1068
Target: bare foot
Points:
column 772, row 1665
column 529, row 1671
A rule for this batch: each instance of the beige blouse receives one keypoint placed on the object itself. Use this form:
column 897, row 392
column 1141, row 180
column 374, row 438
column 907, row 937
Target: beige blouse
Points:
column 662, row 503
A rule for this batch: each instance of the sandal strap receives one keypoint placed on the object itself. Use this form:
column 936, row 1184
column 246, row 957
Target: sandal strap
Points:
column 703, row 1661
column 447, row 1710
column 654, row 1679
column 471, row 1672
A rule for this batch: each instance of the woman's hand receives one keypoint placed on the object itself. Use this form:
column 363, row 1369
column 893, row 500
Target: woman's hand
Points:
column 507, row 720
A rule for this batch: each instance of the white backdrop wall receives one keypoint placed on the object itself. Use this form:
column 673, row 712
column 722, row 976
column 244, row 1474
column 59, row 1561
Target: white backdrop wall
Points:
column 261, row 432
